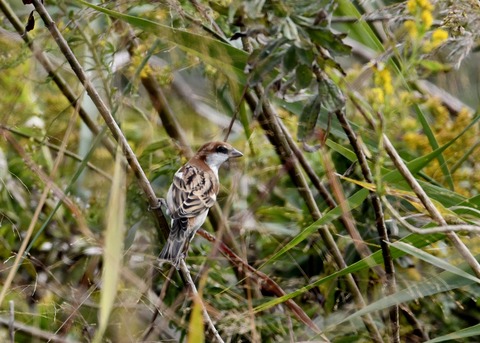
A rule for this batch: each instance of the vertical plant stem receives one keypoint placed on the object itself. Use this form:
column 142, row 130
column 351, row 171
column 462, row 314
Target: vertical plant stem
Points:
column 11, row 323
column 379, row 221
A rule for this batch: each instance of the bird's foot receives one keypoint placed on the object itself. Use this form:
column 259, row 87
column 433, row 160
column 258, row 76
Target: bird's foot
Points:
column 160, row 203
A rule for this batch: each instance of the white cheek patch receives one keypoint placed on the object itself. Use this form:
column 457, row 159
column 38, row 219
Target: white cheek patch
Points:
column 216, row 159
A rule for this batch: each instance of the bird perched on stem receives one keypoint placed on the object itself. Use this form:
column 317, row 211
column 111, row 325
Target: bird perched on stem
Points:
column 193, row 191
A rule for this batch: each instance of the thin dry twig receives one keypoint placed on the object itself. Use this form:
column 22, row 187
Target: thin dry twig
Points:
column 429, row 206
column 35, row 332
column 11, row 324
column 430, row 230
column 379, row 221
column 196, row 296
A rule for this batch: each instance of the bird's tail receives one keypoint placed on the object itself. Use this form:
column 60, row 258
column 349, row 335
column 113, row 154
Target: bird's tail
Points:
column 174, row 249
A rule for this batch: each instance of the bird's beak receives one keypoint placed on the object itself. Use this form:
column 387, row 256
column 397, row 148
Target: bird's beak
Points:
column 234, row 153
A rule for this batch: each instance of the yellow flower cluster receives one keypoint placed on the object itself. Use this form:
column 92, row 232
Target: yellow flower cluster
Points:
column 438, row 37
column 383, row 79
column 466, row 177
column 383, row 87
column 422, row 11
column 416, row 28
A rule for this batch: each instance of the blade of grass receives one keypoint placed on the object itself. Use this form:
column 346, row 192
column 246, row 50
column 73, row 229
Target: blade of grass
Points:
column 435, row 261
column 472, row 331
column 113, row 248
column 427, row 130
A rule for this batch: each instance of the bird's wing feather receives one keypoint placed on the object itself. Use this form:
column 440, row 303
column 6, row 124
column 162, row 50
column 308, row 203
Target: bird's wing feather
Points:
column 193, row 192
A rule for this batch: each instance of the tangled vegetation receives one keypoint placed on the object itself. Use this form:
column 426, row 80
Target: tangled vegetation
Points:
column 352, row 217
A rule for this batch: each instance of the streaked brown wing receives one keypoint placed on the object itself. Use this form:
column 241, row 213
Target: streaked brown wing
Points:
column 193, row 192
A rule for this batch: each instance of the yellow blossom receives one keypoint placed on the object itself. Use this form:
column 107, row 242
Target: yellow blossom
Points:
column 383, row 78
column 425, row 4
column 411, row 139
column 427, row 19
column 408, row 124
column 439, row 36
column 412, row 6
column 418, row 5
column 411, row 28
column 377, row 95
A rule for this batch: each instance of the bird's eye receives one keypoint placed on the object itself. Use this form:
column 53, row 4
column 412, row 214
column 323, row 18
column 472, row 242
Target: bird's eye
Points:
column 222, row 149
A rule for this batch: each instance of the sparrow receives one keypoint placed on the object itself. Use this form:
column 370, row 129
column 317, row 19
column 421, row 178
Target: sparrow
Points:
column 193, row 191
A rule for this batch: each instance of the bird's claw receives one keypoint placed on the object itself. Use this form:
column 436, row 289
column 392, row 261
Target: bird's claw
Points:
column 160, row 203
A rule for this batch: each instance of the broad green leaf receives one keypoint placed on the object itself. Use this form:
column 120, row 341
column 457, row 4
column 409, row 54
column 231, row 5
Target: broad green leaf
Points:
column 332, row 97
column 308, row 118
column 290, row 60
column 435, row 66
column 223, row 56
column 304, row 76
column 329, row 40
column 305, row 56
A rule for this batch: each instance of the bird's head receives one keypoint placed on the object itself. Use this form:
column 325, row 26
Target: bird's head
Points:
column 215, row 153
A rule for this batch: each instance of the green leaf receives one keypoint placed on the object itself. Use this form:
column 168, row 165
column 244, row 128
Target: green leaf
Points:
column 308, row 118
column 290, row 60
column 435, row 66
column 327, row 39
column 304, row 76
column 332, row 97
column 305, row 56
